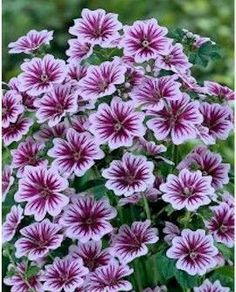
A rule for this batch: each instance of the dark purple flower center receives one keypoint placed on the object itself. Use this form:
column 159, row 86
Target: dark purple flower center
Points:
column 59, row 108
column 193, row 255
column 44, row 77
column 32, row 160
column 89, row 221
column 103, row 85
column 168, row 59
column 4, row 110
column 97, row 32
column 187, row 191
column 129, row 179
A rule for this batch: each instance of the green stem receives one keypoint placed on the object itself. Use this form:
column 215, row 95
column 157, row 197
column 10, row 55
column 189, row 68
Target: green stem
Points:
column 146, row 208
column 174, row 155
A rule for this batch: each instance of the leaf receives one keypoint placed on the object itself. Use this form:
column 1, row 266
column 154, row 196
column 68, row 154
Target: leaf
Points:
column 165, row 267
column 186, row 281
column 227, row 271
column 226, row 251
column 32, row 271
column 177, row 34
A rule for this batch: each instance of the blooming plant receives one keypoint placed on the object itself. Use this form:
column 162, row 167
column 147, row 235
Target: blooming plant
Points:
column 112, row 175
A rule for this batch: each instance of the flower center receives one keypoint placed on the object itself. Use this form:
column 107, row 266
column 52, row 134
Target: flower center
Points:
column 168, row 59
column 187, row 191
column 77, row 156
column 129, row 179
column 44, row 77
column 223, row 228
column 59, row 108
column 145, row 43
column 193, row 255
column 204, row 173
column 4, row 110
column 32, row 160
column 89, row 221
column 45, row 192
column 103, row 85
column 118, row 126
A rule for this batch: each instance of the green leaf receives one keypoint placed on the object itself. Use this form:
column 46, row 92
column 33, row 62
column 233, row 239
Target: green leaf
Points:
column 165, row 267
column 227, row 271
column 186, row 281
column 32, row 271
column 11, row 272
column 226, row 251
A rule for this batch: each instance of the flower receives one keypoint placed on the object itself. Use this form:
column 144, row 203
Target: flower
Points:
column 12, row 222
column 64, row 275
column 7, row 180
column 144, row 40
column 178, row 120
column 221, row 224
column 91, row 253
column 188, row 190
column 76, row 154
column 46, row 133
column 85, row 218
column 27, row 153
column 110, row 278
column 209, row 163
column 116, row 124
column 129, row 175
column 38, row 239
column 40, row 74
column 156, row 289
column 27, row 100
column 80, row 123
column 18, row 281
column 219, row 90
column 11, row 107
column 173, row 59
column 31, row 42
column 42, row 189
column 16, row 131
column 96, row 27
column 75, row 72
column 194, row 251
column 171, row 231
column 153, row 92
column 101, row 80
column 130, row 242
column 207, row 286
column 78, row 50
column 217, row 119
column 55, row 104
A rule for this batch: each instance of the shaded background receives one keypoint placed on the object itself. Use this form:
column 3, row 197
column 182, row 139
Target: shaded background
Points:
column 213, row 18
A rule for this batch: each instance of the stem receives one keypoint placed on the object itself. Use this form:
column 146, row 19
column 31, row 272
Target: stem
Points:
column 187, row 218
column 174, row 155
column 146, row 207
column 161, row 211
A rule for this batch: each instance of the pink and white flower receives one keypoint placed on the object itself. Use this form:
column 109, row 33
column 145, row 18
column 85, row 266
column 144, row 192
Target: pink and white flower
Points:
column 11, row 107
column 173, row 59
column 76, row 154
column 177, row 120
column 27, row 153
column 64, row 275
column 75, row 72
column 221, row 224
column 194, row 251
column 91, row 253
column 96, row 27
column 12, row 222
column 85, row 218
column 131, row 242
column 32, row 41
column 54, row 105
column 42, row 189
column 38, row 239
column 40, row 74
column 15, row 131
column 129, row 175
column 149, row 147
column 101, row 80
column 171, row 231
column 188, row 190
column 208, row 286
column 217, row 119
column 110, row 278
column 209, row 163
column 144, row 40
column 216, row 89
column 117, row 124
column 46, row 133
column 18, row 281
column 7, row 181
column 78, row 50
column 156, row 289
column 153, row 92
column 80, row 123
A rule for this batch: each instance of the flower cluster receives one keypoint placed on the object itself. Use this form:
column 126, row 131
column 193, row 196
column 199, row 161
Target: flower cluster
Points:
column 109, row 164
